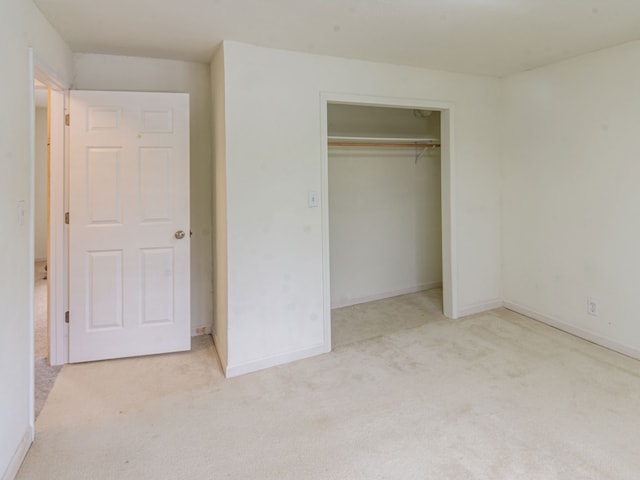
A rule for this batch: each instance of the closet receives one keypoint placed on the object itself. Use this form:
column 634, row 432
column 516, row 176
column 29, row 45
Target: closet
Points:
column 384, row 203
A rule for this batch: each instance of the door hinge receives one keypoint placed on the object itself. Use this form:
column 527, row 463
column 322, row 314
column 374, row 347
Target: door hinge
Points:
column 67, row 119
column 66, row 218
column 66, row 316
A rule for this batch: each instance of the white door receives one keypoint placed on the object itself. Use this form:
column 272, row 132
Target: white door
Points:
column 129, row 224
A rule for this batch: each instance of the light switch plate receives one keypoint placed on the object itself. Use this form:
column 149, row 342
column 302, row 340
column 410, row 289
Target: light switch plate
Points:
column 314, row 199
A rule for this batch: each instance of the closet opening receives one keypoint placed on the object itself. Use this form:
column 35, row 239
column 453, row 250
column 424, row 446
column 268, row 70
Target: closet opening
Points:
column 386, row 219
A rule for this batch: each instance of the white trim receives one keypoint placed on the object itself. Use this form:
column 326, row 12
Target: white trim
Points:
column 30, row 223
column 447, row 159
column 324, row 207
column 480, row 307
column 57, row 254
column 18, row 456
column 347, row 302
column 448, row 217
column 254, row 366
column 57, row 268
column 222, row 355
column 46, row 74
column 578, row 332
column 373, row 101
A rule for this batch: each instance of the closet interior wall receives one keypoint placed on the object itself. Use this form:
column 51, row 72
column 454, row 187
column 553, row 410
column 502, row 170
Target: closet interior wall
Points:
column 384, row 203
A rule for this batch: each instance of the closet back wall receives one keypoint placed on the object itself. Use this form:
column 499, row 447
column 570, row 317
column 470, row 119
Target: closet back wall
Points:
column 384, row 207
column 384, row 216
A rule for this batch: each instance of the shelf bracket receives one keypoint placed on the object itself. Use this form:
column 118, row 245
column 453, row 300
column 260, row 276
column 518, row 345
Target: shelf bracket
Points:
column 424, row 149
column 419, row 155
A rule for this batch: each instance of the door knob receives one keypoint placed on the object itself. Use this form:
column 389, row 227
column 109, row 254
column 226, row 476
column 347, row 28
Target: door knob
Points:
column 180, row 234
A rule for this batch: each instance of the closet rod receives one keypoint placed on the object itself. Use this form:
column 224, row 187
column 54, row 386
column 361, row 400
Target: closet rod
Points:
column 362, row 138
column 386, row 144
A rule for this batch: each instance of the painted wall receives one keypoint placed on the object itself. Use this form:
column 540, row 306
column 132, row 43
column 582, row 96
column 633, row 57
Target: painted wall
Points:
column 384, row 223
column 219, row 181
column 571, row 199
column 384, row 206
column 358, row 120
column 21, row 25
column 273, row 158
column 110, row 72
column 40, row 187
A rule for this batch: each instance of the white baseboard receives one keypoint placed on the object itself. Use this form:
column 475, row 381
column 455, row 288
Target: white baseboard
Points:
column 480, row 307
column 578, row 332
column 23, row 447
column 254, row 366
column 380, row 296
column 196, row 331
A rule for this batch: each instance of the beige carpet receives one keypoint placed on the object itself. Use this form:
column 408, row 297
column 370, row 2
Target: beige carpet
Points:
column 41, row 347
column 44, row 374
column 373, row 319
column 493, row 396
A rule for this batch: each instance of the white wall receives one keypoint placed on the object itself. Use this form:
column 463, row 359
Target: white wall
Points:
column 384, row 223
column 40, row 187
column 357, row 120
column 273, row 158
column 219, row 181
column 110, row 72
column 571, row 204
column 21, row 25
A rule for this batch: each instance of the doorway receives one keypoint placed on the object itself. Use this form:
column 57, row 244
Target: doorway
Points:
column 46, row 207
column 55, row 201
column 44, row 373
column 40, row 234
column 46, row 213
column 431, row 263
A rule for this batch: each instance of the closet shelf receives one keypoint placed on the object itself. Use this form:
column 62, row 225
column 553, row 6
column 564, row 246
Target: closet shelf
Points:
column 424, row 143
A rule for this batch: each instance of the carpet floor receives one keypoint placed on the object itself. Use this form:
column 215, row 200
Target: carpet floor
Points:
column 491, row 396
column 44, row 374
column 41, row 348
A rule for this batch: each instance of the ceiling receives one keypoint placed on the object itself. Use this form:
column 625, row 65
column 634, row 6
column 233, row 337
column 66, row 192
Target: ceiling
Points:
column 492, row 37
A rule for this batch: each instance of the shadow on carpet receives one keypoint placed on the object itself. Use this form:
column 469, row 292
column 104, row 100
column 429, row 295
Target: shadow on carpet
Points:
column 45, row 377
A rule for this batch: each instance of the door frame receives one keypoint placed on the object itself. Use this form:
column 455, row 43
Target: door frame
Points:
column 56, row 205
column 447, row 175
